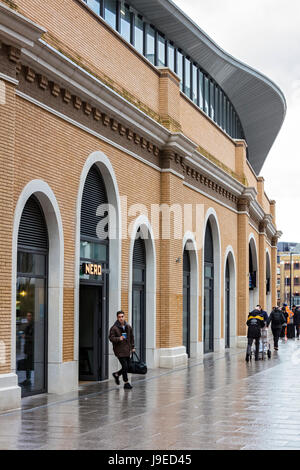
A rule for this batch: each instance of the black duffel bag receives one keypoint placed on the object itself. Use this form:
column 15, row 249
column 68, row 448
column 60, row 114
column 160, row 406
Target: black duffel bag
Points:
column 136, row 366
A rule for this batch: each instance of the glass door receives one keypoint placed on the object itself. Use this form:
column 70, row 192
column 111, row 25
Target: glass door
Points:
column 31, row 323
column 208, row 308
column 138, row 321
column 227, row 307
column 90, row 332
column 186, row 313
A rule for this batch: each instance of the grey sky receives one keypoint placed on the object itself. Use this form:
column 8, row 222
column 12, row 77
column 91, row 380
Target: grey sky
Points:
column 265, row 34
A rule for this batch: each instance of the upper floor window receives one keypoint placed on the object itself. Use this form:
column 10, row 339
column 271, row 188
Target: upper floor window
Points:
column 206, row 95
column 187, row 77
column 150, row 44
column 201, row 90
column 171, row 57
column 139, row 34
column 195, row 83
column 94, row 5
column 110, row 12
column 161, row 50
column 180, row 68
column 125, row 20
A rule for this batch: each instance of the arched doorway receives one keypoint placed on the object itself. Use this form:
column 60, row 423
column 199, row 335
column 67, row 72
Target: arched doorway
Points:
column 209, row 273
column 229, row 299
column 186, row 314
column 227, row 305
column 32, row 300
column 142, row 256
column 253, row 275
column 139, row 296
column 94, row 269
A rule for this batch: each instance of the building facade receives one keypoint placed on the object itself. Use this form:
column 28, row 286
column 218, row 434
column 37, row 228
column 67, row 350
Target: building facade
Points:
column 288, row 274
column 131, row 146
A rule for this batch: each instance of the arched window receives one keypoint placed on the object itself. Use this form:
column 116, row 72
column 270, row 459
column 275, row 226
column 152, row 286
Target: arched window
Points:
column 94, row 260
column 186, row 315
column 208, row 290
column 31, row 304
column 139, row 296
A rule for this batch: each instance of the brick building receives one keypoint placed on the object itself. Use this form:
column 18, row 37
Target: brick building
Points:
column 133, row 108
column 288, row 273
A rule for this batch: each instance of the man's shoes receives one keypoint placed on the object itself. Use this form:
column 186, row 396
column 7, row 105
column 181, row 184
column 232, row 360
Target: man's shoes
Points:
column 247, row 357
column 116, row 377
column 276, row 349
column 127, row 386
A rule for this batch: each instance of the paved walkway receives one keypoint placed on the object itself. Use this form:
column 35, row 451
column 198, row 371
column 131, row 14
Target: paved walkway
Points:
column 223, row 403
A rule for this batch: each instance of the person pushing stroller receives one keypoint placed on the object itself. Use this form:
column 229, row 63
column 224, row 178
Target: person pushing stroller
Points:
column 255, row 324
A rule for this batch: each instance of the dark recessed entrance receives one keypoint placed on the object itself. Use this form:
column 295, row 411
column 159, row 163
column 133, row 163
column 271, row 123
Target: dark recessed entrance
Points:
column 186, row 316
column 227, row 305
column 208, row 291
column 139, row 297
column 94, row 270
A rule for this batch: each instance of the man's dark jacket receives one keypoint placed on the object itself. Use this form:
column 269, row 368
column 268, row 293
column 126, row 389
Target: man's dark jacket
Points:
column 297, row 316
column 277, row 318
column 255, row 323
column 121, row 348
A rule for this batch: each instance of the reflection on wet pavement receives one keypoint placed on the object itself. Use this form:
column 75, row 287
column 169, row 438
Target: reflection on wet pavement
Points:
column 223, row 403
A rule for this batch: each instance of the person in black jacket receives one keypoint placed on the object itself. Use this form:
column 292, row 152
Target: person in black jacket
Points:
column 283, row 329
column 255, row 323
column 297, row 321
column 277, row 319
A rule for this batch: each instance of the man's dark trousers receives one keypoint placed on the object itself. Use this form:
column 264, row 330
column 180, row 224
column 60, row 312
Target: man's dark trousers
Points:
column 250, row 342
column 276, row 334
column 125, row 366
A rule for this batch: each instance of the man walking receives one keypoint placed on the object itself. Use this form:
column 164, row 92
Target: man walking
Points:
column 297, row 321
column 121, row 336
column 277, row 319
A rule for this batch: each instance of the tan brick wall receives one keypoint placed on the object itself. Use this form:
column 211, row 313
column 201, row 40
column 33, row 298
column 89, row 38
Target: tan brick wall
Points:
column 58, row 157
column 7, row 147
column 228, row 224
column 202, row 131
column 72, row 29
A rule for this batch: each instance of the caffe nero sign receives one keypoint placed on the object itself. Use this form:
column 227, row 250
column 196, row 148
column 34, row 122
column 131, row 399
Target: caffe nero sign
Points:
column 91, row 269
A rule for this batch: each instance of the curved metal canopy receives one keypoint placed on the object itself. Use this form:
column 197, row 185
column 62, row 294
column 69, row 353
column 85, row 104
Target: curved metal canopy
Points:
column 259, row 102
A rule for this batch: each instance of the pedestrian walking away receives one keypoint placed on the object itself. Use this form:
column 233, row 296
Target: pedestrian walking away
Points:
column 121, row 336
column 283, row 333
column 297, row 321
column 277, row 319
column 290, row 329
column 263, row 313
column 255, row 324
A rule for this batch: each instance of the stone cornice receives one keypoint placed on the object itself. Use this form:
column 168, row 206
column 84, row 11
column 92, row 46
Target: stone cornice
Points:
column 18, row 30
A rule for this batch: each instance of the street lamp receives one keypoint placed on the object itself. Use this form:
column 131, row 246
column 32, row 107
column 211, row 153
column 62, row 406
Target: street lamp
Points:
column 291, row 260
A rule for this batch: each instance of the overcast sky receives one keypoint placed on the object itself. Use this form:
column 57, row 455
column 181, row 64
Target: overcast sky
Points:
column 265, row 34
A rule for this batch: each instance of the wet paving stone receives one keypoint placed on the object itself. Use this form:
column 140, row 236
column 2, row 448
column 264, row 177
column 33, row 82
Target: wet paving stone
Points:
column 219, row 404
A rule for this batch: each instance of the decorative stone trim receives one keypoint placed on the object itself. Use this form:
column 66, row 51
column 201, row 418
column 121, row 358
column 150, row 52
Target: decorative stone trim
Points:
column 14, row 54
column 43, row 82
column 29, row 74
column 55, row 89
